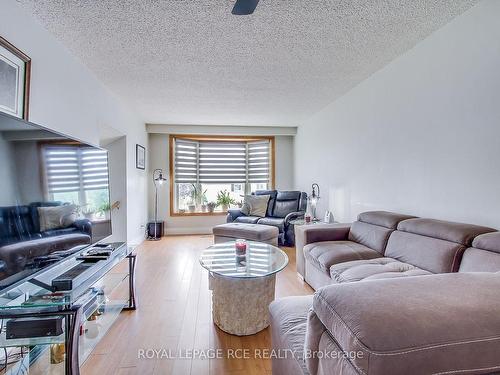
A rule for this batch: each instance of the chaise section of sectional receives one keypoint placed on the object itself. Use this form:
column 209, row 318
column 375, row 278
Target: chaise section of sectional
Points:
column 288, row 318
column 439, row 324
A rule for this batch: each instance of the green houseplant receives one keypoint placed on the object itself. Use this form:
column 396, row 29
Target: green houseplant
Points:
column 105, row 210
column 224, row 199
column 197, row 196
column 211, row 206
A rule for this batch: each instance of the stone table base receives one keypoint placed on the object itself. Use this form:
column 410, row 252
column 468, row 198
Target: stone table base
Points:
column 240, row 305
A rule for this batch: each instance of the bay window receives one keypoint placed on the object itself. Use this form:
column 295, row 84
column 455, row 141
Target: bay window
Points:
column 204, row 168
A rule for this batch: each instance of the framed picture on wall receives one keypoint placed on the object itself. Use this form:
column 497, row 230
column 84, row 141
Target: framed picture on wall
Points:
column 15, row 71
column 140, row 157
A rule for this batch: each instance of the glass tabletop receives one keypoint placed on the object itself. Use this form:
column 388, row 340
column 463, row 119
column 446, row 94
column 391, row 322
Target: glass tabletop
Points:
column 259, row 260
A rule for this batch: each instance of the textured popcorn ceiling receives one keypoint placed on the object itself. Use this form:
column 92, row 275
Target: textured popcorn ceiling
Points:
column 192, row 62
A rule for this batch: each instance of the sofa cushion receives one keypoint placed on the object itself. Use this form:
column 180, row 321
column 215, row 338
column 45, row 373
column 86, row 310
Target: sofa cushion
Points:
column 273, row 221
column 384, row 219
column 255, row 205
column 484, row 255
column 288, row 323
column 418, row 322
column 445, row 230
column 372, row 269
column 370, row 235
column 247, row 219
column 60, row 232
column 272, row 199
column 433, row 245
column 374, row 228
column 325, row 254
column 286, row 202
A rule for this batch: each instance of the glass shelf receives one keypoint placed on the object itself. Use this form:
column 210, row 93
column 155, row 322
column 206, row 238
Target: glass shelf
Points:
column 33, row 341
column 94, row 330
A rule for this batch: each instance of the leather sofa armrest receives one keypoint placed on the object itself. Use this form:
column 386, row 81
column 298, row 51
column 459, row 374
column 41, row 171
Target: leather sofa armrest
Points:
column 293, row 216
column 84, row 226
column 233, row 214
column 306, row 234
column 398, row 324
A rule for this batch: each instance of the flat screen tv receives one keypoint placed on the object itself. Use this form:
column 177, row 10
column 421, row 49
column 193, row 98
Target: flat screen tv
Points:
column 54, row 198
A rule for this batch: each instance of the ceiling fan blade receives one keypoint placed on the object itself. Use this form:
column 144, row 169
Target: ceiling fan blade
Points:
column 244, row 7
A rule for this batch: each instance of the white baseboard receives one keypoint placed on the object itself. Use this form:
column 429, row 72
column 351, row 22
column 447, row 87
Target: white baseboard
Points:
column 197, row 230
column 136, row 241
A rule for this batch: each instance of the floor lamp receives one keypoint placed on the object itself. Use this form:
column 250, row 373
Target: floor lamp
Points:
column 158, row 180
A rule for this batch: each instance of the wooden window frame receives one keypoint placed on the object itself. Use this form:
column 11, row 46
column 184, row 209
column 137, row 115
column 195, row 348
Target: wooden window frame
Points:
column 223, row 138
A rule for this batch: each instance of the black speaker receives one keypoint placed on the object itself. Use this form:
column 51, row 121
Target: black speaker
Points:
column 155, row 230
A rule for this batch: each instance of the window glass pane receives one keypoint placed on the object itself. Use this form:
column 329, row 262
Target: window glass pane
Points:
column 98, row 202
column 67, row 197
column 213, row 189
column 258, row 186
column 184, row 192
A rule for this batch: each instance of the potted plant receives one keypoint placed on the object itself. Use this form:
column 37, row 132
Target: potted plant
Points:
column 87, row 212
column 105, row 210
column 204, row 202
column 224, row 200
column 196, row 196
column 211, row 206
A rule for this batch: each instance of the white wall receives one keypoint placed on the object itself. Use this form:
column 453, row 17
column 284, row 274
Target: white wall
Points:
column 118, row 181
column 421, row 136
column 8, row 194
column 67, row 97
column 159, row 158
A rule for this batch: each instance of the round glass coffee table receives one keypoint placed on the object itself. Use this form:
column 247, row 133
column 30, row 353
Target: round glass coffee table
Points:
column 242, row 285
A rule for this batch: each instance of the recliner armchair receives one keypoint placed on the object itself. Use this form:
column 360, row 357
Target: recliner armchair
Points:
column 283, row 207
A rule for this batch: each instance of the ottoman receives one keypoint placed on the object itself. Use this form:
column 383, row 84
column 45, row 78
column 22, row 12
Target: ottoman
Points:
column 251, row 232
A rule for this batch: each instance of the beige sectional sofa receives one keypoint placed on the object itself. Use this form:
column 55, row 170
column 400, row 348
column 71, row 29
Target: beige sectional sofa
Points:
column 395, row 295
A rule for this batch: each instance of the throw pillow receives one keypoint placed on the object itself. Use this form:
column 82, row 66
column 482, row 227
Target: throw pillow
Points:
column 55, row 217
column 255, row 205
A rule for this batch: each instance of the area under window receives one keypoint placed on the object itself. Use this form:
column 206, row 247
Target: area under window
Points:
column 79, row 175
column 212, row 174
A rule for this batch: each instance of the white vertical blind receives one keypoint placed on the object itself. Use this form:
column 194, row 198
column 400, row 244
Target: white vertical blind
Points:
column 75, row 168
column 186, row 161
column 221, row 161
column 258, row 161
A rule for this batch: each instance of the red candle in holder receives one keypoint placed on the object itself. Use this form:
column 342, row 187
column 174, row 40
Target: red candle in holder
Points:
column 241, row 246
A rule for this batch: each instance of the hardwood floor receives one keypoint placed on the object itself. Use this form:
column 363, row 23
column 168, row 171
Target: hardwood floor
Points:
column 174, row 314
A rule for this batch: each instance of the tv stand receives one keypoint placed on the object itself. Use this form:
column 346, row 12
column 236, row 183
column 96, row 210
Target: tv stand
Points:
column 91, row 299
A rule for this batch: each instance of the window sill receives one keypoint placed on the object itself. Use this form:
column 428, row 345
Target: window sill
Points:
column 215, row 213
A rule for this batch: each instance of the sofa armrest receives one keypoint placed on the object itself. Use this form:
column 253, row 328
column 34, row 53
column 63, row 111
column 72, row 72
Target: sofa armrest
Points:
column 396, row 325
column 84, row 226
column 293, row 216
column 233, row 214
column 306, row 234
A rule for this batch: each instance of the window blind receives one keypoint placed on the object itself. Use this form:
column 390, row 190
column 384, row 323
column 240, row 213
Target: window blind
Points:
column 72, row 168
column 221, row 161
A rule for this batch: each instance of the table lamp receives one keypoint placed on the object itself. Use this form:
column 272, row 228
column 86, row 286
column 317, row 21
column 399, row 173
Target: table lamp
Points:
column 313, row 200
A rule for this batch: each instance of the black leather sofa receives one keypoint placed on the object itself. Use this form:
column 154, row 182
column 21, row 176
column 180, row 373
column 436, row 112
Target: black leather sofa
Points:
column 283, row 207
column 21, row 239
